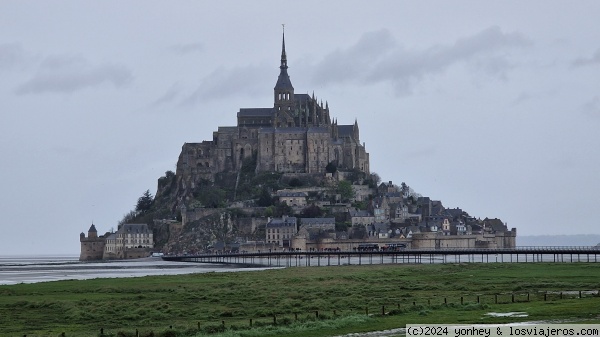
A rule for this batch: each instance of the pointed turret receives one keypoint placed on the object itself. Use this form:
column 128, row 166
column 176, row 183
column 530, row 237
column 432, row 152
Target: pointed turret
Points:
column 92, row 232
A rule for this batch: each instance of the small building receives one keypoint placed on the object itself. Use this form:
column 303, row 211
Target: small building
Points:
column 325, row 224
column 360, row 217
column 92, row 246
column 131, row 241
column 292, row 199
column 281, row 231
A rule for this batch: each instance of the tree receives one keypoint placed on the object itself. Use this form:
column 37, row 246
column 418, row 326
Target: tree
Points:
column 345, row 190
column 210, row 196
column 312, row 211
column 128, row 218
column 295, row 182
column 144, row 202
column 373, row 180
column 281, row 208
column 265, row 199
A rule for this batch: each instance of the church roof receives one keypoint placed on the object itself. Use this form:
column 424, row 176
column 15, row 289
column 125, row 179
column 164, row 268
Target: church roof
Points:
column 290, row 129
column 227, row 129
column 317, row 129
column 255, row 112
column 283, row 81
column 301, row 97
column 345, row 130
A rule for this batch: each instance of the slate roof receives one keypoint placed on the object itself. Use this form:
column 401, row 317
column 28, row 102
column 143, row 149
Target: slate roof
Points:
column 255, row 112
column 284, row 222
column 301, row 98
column 316, row 221
column 290, row 130
column 291, row 194
column 92, row 229
column 453, row 212
column 230, row 129
column 317, row 129
column 380, row 227
column 359, row 213
column 345, row 130
column 283, row 81
column 135, row 228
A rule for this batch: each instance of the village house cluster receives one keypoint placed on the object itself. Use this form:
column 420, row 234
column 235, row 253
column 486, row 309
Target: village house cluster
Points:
column 130, row 241
column 395, row 217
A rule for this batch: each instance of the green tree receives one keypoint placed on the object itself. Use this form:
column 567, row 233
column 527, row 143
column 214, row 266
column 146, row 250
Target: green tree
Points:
column 144, row 203
column 281, row 208
column 210, row 196
column 295, row 182
column 128, row 218
column 312, row 211
column 345, row 190
column 265, row 199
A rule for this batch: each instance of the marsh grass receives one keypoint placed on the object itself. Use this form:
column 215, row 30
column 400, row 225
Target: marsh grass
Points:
column 175, row 305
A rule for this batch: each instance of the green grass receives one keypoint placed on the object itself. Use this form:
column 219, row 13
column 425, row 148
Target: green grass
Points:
column 407, row 294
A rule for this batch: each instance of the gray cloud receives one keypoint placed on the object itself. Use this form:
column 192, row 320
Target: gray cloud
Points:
column 170, row 95
column 187, row 48
column 12, row 55
column 594, row 59
column 592, row 108
column 377, row 58
column 355, row 62
column 229, row 82
column 66, row 74
column 523, row 97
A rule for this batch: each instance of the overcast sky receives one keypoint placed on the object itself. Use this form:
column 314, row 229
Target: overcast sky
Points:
column 493, row 107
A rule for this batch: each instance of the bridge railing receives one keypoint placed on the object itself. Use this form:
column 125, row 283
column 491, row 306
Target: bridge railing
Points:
column 516, row 250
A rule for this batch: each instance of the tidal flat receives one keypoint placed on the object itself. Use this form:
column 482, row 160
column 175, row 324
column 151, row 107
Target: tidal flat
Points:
column 313, row 301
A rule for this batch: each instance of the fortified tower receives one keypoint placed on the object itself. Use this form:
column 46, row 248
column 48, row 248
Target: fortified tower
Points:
column 92, row 247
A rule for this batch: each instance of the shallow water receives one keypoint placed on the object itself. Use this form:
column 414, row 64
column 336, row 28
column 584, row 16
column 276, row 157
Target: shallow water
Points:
column 33, row 269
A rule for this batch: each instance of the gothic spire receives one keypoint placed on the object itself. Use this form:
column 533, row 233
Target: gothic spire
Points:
column 283, row 56
column 283, row 81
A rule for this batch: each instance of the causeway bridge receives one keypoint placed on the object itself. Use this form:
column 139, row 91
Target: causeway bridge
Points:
column 557, row 254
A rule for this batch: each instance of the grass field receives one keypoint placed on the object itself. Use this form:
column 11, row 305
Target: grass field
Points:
column 314, row 301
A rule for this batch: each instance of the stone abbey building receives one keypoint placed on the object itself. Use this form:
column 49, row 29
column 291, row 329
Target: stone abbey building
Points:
column 296, row 135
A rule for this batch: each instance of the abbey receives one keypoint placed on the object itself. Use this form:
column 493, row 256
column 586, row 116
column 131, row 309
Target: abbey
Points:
column 296, row 135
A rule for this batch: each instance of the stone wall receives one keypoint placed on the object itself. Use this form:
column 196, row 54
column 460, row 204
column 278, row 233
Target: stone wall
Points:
column 92, row 249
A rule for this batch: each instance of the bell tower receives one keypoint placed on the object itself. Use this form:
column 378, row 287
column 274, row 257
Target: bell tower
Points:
column 284, row 93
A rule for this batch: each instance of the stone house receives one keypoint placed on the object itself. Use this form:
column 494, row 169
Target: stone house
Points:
column 128, row 242
column 281, row 231
column 131, row 241
column 292, row 199
column 326, row 224
column 360, row 217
